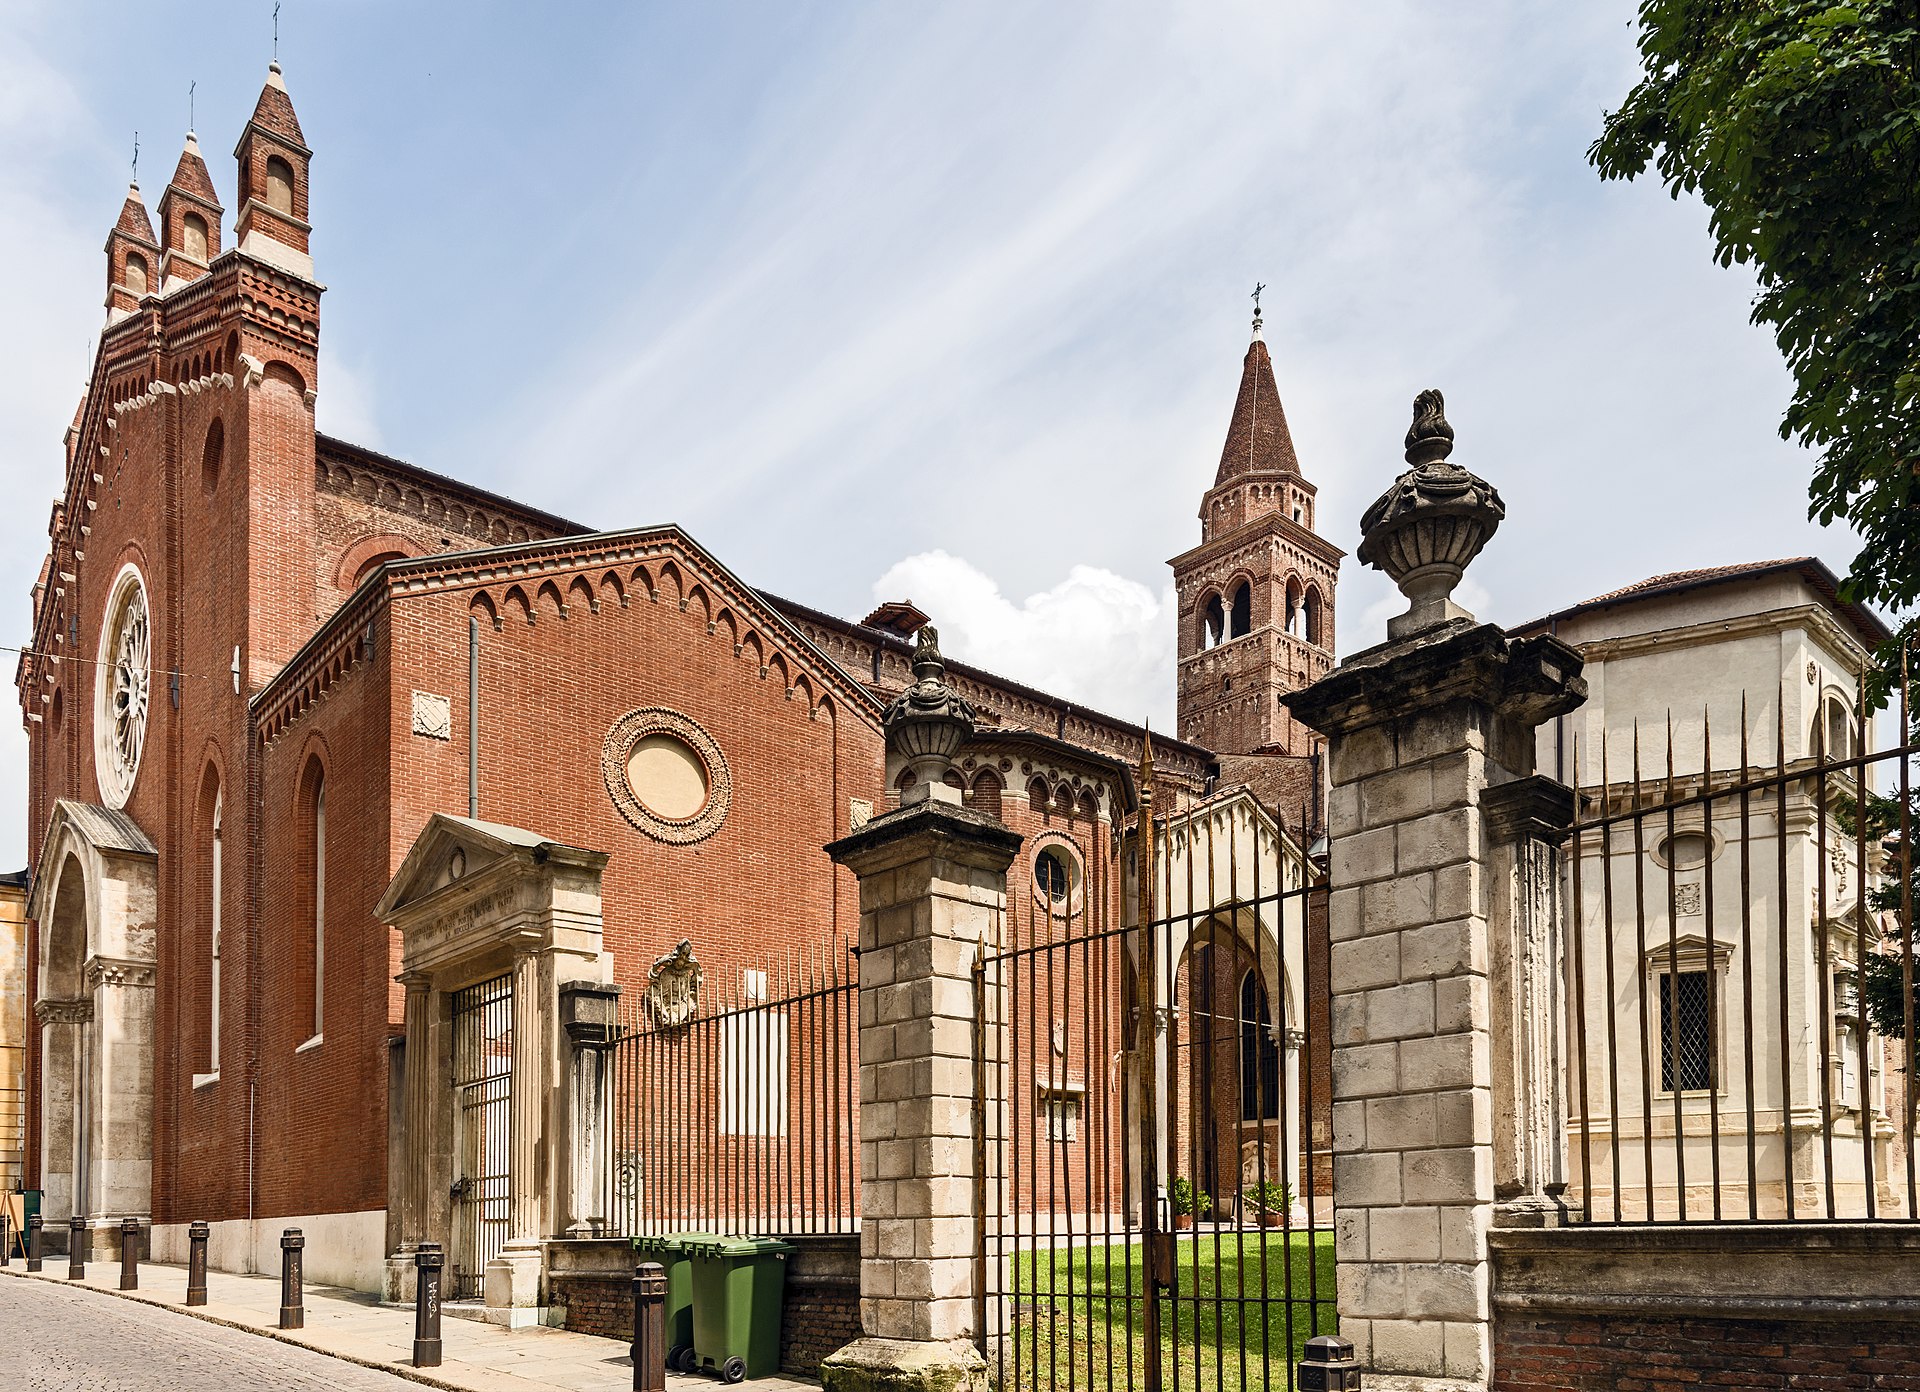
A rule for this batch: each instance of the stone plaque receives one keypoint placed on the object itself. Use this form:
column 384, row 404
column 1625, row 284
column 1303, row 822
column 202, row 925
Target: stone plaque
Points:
column 432, row 715
column 1686, row 898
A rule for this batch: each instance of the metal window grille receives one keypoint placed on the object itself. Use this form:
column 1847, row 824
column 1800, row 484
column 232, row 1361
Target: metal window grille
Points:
column 1686, row 1032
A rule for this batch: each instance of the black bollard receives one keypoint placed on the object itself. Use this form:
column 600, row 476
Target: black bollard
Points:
column 34, row 1224
column 1327, row 1365
column 76, row 1248
column 129, row 1254
column 650, row 1327
column 428, row 1261
column 6, row 1236
column 196, row 1263
column 293, row 1310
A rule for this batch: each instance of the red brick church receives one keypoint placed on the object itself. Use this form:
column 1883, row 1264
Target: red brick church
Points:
column 321, row 740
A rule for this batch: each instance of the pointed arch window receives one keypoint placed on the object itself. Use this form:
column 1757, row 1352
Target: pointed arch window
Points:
column 1259, row 1054
column 314, row 870
column 193, row 236
column 1313, row 617
column 279, row 185
column 213, row 942
column 1240, row 613
column 135, row 275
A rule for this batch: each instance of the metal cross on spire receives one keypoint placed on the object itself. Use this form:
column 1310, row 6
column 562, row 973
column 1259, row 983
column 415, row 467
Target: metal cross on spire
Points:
column 1257, row 288
column 190, row 87
column 136, row 157
column 276, row 30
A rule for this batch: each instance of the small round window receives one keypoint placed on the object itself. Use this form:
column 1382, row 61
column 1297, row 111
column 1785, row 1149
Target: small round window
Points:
column 1684, row 850
column 1057, row 879
column 666, row 775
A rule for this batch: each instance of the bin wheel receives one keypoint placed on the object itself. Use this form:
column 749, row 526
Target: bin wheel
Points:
column 733, row 1370
column 680, row 1358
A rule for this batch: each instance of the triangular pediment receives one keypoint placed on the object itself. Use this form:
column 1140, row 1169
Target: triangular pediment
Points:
column 451, row 850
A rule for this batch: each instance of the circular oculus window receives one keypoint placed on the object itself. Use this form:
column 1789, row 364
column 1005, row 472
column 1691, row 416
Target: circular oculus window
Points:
column 123, row 678
column 666, row 775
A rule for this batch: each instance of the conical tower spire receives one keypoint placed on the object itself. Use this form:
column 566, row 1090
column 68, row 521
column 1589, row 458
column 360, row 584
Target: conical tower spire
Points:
column 133, row 257
column 273, row 158
column 190, row 215
column 1258, row 441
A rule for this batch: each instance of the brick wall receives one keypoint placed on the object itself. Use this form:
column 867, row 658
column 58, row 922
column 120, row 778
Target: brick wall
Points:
column 1593, row 1353
column 1647, row 1309
column 820, row 1316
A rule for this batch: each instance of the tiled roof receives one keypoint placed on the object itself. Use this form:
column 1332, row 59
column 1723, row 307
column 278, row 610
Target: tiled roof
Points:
column 1812, row 569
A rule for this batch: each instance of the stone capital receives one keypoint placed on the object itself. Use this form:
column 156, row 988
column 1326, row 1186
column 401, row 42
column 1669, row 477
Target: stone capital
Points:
column 64, row 1012
column 589, row 1012
column 924, row 831
column 1527, row 680
column 1536, row 808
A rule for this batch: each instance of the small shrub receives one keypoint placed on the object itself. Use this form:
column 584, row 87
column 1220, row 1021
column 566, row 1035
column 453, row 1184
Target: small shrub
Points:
column 1275, row 1195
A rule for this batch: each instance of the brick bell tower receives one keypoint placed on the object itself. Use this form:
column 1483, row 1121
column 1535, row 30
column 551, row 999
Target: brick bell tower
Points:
column 1256, row 595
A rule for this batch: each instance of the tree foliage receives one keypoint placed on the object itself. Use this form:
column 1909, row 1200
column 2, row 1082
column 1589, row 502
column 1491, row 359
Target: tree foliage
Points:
column 1798, row 124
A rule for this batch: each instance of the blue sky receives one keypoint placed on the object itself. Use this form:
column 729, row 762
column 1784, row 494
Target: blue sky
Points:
column 944, row 301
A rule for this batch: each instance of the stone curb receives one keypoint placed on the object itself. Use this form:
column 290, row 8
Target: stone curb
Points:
column 283, row 1336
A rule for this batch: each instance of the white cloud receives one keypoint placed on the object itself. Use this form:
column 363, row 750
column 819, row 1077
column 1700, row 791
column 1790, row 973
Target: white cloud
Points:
column 1096, row 638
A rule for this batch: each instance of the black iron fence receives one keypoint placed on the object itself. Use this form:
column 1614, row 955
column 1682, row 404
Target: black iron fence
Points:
column 1741, row 1019
column 1152, row 1206
column 742, row 1115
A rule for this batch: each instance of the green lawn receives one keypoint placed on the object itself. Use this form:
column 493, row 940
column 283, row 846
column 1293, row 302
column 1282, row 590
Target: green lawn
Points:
column 1075, row 1326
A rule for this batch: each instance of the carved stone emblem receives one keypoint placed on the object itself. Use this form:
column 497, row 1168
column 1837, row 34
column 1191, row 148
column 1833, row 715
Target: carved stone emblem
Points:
column 432, row 715
column 673, row 987
column 1686, row 898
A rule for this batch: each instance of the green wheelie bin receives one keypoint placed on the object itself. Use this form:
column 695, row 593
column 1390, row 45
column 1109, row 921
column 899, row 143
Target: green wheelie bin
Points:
column 670, row 1250
column 739, row 1286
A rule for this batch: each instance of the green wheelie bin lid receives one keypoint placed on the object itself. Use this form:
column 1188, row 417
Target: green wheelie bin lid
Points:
column 711, row 1245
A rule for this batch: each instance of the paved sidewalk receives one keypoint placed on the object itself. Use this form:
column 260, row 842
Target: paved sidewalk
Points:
column 346, row 1324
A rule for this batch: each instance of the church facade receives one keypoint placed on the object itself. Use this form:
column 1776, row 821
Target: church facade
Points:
column 321, row 740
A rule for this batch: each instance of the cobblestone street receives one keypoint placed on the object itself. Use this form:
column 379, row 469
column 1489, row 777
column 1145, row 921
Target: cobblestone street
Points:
column 65, row 1340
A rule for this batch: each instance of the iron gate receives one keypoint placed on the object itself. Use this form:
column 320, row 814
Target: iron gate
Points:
column 1151, row 1115
column 482, row 1130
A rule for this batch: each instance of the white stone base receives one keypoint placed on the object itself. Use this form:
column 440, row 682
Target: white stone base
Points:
column 511, row 1285
column 343, row 1249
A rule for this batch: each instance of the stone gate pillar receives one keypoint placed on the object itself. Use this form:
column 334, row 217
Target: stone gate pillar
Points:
column 1426, row 735
column 933, row 888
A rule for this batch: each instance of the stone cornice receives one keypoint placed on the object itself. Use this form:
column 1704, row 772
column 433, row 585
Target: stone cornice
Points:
column 1529, row 679
column 1814, row 617
column 1538, row 808
column 897, row 836
column 1272, row 523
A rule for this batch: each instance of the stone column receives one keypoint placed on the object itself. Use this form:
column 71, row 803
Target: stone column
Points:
column 511, row 1282
column 1422, row 733
column 408, row 1188
column 1527, row 820
column 933, row 886
column 589, row 1014
column 119, row 1172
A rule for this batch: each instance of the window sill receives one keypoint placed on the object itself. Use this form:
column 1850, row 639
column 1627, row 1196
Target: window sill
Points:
column 205, row 1080
column 311, row 1044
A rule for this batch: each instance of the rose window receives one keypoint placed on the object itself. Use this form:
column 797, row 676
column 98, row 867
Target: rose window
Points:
column 124, row 685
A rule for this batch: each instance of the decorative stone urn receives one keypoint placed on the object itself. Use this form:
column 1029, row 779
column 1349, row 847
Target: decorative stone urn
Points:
column 1430, row 524
column 928, row 722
